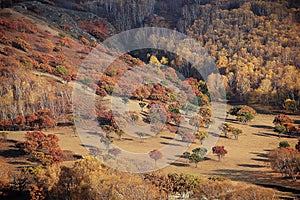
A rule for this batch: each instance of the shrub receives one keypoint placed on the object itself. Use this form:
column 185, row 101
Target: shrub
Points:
column 61, row 70
column 280, row 129
column 66, row 42
column 284, row 144
column 21, row 44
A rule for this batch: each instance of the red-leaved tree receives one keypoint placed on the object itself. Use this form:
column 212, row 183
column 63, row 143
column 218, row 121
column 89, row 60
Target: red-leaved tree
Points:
column 220, row 151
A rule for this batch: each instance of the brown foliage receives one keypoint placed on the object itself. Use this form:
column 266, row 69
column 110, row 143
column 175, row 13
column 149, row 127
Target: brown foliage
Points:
column 68, row 42
column 21, row 44
column 42, row 147
column 282, row 119
column 225, row 189
column 285, row 161
column 220, row 151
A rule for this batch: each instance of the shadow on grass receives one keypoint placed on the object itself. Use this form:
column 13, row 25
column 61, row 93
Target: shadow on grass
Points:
column 263, row 126
column 179, row 164
column 169, row 143
column 11, row 153
column 258, row 178
column 18, row 163
column 262, row 155
column 276, row 135
column 261, row 159
column 251, row 165
column 166, row 137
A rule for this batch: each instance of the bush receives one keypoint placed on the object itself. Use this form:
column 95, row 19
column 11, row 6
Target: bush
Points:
column 61, row 70
column 284, row 144
column 280, row 128
column 21, row 44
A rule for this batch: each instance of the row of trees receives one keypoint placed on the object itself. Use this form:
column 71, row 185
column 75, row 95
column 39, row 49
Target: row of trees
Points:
column 285, row 125
column 39, row 119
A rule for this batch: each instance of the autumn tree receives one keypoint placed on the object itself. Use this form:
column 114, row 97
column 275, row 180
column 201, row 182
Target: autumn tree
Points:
column 286, row 161
column 244, row 113
column 226, row 128
column 43, row 148
column 155, row 155
column 236, row 132
column 142, row 105
column 290, row 105
column 282, row 119
column 220, row 151
column 197, row 155
column 201, row 135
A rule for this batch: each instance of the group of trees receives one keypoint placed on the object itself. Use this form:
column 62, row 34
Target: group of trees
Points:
column 41, row 147
column 284, row 125
column 227, row 128
column 244, row 113
column 39, row 119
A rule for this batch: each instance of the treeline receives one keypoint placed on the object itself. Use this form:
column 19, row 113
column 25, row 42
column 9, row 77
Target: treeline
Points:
column 37, row 120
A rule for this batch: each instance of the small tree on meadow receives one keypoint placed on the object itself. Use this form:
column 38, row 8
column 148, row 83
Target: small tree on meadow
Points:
column 220, row 151
column 119, row 132
column 4, row 135
column 142, row 105
column 236, row 132
column 225, row 128
column 201, row 135
column 134, row 118
column 141, row 135
column 280, row 129
column 74, row 130
column 197, row 155
column 290, row 105
column 155, row 155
